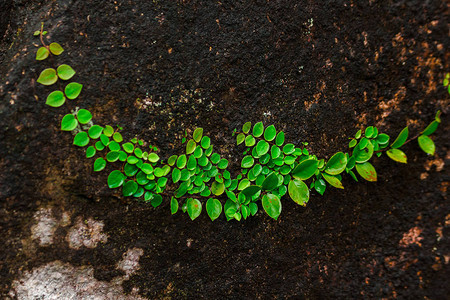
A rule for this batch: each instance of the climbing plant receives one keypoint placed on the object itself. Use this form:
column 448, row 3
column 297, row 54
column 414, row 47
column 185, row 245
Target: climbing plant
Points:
column 198, row 178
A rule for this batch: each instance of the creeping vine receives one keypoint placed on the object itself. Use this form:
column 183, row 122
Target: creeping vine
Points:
column 270, row 167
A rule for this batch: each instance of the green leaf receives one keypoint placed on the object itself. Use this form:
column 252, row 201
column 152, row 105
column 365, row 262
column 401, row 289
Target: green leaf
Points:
column 272, row 205
column 73, row 90
column 382, row 139
column 213, row 208
column 333, row 181
column 215, row 158
column 90, row 151
column 369, row 132
column 114, row 146
column 129, row 188
column 130, row 170
column 173, row 205
column 198, row 132
column 289, row 149
column 253, row 207
column 280, row 139
column 65, row 72
column 190, row 146
column 275, row 152
column 112, row 156
column 438, row 115
column 81, row 139
column 37, row 33
column 55, row 99
column 194, row 208
column 176, row 175
column 191, row 163
column 426, row 144
column 240, row 138
column 397, row 155
column 217, row 188
column 298, row 191
column 352, row 143
column 270, row 183
column 251, row 190
column 56, row 48
column 172, row 160
column 358, row 134
column 117, row 137
column 181, row 161
column 258, row 129
column 270, row 133
column 262, row 147
column 401, row 138
column 108, row 131
column 367, row 171
column 431, row 128
column 156, row 201
column 205, row 142
column 128, row 147
column 250, row 141
column 99, row 146
column 305, row 169
column 147, row 168
column 246, row 127
column 99, row 164
column 336, row 164
column 115, row 179
column 223, row 164
column 42, row 53
column 84, row 116
column 363, row 155
column 153, row 157
column 47, row 77
column 69, row 123
column 320, row 186
column 247, row 161
column 95, row 131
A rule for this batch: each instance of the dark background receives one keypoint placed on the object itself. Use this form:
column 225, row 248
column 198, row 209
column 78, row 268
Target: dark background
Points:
column 319, row 70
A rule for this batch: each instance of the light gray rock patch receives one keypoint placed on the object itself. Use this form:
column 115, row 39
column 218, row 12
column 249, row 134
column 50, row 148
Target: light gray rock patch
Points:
column 57, row 280
column 130, row 262
column 86, row 233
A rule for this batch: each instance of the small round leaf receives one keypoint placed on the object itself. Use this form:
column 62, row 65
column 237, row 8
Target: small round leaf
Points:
column 69, row 123
column 56, row 48
column 115, row 179
column 55, row 99
column 81, row 139
column 213, row 208
column 73, row 90
column 42, row 53
column 65, row 72
column 47, row 77
column 84, row 116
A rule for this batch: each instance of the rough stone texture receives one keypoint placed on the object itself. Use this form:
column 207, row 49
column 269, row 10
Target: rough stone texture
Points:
column 130, row 262
column 318, row 70
column 57, row 280
column 86, row 233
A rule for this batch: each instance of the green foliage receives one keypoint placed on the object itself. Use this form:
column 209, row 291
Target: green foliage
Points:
column 65, row 72
column 73, row 90
column 269, row 168
column 47, row 77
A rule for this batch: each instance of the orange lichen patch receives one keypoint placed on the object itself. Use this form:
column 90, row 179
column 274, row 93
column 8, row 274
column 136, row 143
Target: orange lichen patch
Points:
column 443, row 187
column 391, row 105
column 430, row 63
column 411, row 237
column 439, row 233
column 447, row 220
column 390, row 261
column 438, row 162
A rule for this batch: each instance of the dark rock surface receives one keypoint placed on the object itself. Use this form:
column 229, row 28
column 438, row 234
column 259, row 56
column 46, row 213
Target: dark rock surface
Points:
column 317, row 70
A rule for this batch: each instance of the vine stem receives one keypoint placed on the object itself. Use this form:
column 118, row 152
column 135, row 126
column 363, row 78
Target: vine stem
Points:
column 411, row 139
